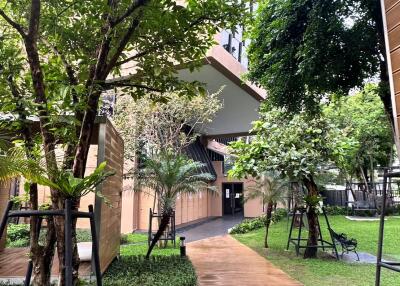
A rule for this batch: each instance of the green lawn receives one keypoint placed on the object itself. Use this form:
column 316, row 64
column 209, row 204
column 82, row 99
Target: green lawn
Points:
column 165, row 268
column 325, row 270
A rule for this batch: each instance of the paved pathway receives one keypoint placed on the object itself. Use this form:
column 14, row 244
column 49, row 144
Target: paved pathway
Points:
column 207, row 229
column 222, row 260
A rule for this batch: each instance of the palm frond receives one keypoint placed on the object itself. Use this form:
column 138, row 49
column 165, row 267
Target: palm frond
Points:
column 269, row 188
column 172, row 174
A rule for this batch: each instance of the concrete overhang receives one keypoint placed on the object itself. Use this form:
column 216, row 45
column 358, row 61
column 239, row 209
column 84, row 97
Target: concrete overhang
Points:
column 241, row 99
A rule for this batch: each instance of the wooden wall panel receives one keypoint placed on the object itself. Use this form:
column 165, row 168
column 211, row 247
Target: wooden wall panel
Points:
column 4, row 197
column 392, row 29
column 110, row 217
column 392, row 16
column 390, row 3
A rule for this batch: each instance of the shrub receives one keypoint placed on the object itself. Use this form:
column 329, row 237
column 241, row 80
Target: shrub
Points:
column 17, row 235
column 336, row 210
column 83, row 235
column 157, row 271
column 124, row 239
column 279, row 214
column 248, row 225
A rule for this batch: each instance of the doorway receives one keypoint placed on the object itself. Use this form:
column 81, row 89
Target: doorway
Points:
column 232, row 199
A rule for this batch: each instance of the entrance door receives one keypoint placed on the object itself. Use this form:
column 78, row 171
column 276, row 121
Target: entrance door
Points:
column 232, row 201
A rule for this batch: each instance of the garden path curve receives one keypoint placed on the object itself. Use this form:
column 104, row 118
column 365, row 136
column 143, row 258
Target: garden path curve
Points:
column 222, row 260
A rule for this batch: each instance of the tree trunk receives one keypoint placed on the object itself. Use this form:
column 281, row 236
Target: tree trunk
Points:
column 268, row 222
column 42, row 257
column 163, row 226
column 58, row 203
column 312, row 218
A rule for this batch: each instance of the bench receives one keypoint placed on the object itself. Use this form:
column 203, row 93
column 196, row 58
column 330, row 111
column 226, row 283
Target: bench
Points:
column 347, row 245
column 362, row 206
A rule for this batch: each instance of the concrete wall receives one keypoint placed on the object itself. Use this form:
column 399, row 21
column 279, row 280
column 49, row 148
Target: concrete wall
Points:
column 252, row 208
column 189, row 207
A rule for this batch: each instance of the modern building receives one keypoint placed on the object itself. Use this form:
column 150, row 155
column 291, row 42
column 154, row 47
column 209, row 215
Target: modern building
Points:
column 224, row 65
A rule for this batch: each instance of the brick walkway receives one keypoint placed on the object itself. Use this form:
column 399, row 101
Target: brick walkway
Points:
column 224, row 261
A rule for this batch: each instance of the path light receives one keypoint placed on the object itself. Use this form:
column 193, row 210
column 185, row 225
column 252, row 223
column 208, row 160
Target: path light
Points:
column 182, row 246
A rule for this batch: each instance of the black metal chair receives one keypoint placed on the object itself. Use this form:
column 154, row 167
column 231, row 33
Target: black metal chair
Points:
column 347, row 245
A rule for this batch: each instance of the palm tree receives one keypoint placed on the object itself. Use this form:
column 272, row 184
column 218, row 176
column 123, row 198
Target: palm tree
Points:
column 170, row 175
column 271, row 190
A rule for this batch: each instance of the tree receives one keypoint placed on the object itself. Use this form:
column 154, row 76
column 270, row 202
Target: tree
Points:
column 363, row 118
column 57, row 58
column 305, row 50
column 169, row 175
column 145, row 125
column 271, row 190
column 294, row 147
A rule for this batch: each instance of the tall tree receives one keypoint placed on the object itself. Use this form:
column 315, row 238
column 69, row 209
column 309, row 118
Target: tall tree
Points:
column 152, row 127
column 61, row 56
column 293, row 147
column 305, row 50
column 363, row 118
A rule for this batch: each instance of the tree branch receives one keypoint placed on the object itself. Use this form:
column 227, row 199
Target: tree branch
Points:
column 13, row 24
column 111, row 84
column 173, row 41
column 135, row 5
column 122, row 45
column 33, row 29
column 68, row 67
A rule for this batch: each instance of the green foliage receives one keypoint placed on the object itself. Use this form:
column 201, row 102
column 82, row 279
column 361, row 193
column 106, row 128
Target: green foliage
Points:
column 336, row 210
column 249, row 225
column 312, row 201
column 13, row 163
column 363, row 119
column 292, row 147
column 72, row 187
column 18, row 235
column 158, row 271
column 269, row 188
column 154, row 36
column 145, row 125
column 303, row 50
column 169, row 175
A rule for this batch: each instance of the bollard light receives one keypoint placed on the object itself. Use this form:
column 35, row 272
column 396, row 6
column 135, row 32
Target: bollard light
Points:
column 182, row 246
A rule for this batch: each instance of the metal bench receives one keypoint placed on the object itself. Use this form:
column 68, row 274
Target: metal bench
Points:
column 347, row 245
column 362, row 206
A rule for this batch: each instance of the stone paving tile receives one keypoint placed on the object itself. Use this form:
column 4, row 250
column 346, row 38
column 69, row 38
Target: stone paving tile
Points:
column 223, row 261
column 207, row 229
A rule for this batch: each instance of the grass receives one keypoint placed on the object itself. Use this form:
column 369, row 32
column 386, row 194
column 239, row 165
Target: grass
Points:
column 165, row 268
column 325, row 270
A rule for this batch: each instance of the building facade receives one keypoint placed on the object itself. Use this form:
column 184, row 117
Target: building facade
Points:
column 224, row 65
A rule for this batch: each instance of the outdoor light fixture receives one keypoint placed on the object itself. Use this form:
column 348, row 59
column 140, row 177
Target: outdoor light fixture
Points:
column 182, row 246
